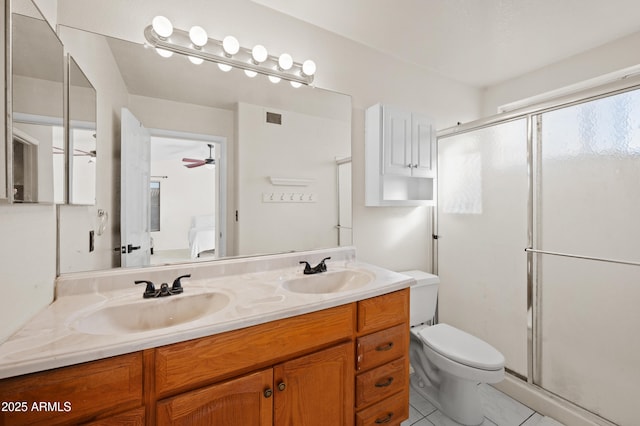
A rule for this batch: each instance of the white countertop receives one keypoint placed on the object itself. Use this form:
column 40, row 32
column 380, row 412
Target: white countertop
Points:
column 53, row 338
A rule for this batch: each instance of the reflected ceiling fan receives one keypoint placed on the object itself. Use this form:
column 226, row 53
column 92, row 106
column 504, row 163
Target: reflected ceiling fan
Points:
column 197, row 163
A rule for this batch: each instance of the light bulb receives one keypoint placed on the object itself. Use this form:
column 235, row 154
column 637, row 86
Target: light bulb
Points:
column 162, row 26
column 198, row 36
column 295, row 84
column 250, row 73
column 285, row 61
column 195, row 61
column 230, row 45
column 259, row 53
column 309, row 67
column 274, row 79
column 224, row 67
column 164, row 53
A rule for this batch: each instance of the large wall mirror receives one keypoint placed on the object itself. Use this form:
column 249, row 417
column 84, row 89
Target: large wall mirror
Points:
column 36, row 157
column 268, row 187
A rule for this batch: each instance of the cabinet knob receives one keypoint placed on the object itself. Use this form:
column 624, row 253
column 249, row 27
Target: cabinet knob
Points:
column 268, row 392
column 281, row 386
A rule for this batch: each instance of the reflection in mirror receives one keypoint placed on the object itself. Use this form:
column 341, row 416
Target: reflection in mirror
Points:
column 273, row 187
column 37, row 109
column 82, row 137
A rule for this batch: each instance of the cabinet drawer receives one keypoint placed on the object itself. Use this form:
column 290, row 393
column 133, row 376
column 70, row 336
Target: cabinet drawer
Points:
column 390, row 411
column 381, row 347
column 381, row 382
column 187, row 365
column 383, row 311
column 75, row 394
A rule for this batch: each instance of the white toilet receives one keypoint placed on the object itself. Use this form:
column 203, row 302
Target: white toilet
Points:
column 449, row 364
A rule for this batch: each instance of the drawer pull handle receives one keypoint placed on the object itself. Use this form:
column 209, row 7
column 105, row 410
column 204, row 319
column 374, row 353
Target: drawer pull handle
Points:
column 385, row 419
column 268, row 393
column 385, row 383
column 281, row 386
column 386, row 347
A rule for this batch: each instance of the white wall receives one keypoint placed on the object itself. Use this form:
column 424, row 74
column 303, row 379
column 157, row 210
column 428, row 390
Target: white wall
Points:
column 28, row 253
column 617, row 55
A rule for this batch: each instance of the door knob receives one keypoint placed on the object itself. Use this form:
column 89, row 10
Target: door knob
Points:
column 281, row 386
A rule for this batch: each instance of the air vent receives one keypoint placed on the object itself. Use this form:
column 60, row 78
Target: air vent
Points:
column 274, row 118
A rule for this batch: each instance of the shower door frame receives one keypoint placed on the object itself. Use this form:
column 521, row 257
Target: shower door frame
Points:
column 533, row 114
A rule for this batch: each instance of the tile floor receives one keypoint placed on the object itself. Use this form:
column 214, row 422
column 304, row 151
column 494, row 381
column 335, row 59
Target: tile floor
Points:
column 500, row 410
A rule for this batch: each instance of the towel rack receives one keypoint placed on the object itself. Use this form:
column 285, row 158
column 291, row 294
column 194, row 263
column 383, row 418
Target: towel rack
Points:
column 577, row 256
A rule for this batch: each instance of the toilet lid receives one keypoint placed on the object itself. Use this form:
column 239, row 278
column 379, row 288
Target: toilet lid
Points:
column 461, row 347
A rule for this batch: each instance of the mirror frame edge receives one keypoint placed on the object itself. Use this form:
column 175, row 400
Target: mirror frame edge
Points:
column 8, row 103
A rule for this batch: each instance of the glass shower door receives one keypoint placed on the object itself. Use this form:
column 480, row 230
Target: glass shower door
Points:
column 482, row 232
column 588, row 206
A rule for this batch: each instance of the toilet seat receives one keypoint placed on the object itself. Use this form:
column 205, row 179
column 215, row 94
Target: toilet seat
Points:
column 461, row 347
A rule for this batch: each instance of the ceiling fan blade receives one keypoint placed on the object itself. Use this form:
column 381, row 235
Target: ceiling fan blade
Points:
column 190, row 166
column 193, row 160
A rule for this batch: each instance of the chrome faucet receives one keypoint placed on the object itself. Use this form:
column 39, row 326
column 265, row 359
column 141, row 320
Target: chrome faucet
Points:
column 151, row 292
column 320, row 267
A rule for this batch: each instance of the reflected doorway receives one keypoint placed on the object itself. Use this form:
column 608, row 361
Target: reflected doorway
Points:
column 186, row 197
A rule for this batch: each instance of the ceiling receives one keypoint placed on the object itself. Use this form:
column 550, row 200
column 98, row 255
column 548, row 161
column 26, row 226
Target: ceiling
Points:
column 476, row 42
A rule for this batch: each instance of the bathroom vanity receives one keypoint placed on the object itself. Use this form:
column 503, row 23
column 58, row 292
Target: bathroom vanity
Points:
column 343, row 356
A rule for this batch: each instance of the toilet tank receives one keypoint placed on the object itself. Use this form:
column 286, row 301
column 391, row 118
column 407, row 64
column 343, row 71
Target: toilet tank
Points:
column 424, row 296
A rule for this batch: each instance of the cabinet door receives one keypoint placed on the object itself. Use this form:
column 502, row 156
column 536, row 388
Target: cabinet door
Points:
column 239, row 402
column 422, row 147
column 396, row 142
column 74, row 394
column 316, row 389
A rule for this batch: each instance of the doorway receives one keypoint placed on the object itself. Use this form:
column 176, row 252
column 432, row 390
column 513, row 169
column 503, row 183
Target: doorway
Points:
column 187, row 197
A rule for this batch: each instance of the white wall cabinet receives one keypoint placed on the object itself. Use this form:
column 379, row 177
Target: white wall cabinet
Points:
column 399, row 158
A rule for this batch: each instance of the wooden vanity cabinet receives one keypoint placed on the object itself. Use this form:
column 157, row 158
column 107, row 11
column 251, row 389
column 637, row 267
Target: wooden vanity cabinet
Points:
column 315, row 389
column 304, row 374
column 382, row 360
column 99, row 391
column 313, row 369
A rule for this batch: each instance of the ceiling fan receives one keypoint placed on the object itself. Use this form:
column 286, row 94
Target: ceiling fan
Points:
column 197, row 163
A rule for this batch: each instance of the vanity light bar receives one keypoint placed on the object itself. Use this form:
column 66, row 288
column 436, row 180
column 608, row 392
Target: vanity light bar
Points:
column 179, row 41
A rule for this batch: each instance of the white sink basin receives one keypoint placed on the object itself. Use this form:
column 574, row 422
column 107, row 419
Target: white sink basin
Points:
column 329, row 282
column 151, row 314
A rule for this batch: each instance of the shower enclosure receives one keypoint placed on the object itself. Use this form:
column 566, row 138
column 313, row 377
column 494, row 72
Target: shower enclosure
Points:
column 538, row 245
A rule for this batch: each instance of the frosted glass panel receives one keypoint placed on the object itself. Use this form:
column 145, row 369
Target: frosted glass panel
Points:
column 590, row 326
column 590, row 178
column 482, row 221
column 589, row 204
